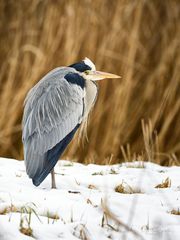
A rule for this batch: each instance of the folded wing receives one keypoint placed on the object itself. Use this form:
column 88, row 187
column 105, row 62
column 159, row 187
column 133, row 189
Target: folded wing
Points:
column 53, row 112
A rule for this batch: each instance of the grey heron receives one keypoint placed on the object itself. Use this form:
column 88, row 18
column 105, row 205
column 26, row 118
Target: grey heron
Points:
column 53, row 111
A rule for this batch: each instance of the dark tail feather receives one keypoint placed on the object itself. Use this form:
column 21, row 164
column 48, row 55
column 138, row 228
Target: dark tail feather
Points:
column 53, row 156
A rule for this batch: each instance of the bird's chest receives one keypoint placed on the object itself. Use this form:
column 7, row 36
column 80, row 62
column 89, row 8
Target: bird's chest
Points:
column 90, row 96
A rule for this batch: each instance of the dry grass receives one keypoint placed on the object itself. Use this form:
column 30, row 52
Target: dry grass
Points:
column 26, row 211
column 53, row 216
column 120, row 189
column 126, row 189
column 175, row 212
column 138, row 40
column 165, row 184
column 8, row 209
column 109, row 217
column 26, row 231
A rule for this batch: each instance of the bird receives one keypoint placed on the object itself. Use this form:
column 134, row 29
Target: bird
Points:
column 54, row 109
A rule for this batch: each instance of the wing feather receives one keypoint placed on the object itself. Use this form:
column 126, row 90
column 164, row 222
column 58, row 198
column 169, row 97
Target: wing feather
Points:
column 53, row 108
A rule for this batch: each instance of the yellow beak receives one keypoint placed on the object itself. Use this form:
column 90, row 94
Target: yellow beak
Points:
column 97, row 75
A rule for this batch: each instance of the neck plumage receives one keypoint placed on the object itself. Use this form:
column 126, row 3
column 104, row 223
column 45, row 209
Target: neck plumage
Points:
column 91, row 91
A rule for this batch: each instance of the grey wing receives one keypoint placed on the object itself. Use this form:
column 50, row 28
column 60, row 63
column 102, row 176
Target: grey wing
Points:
column 53, row 108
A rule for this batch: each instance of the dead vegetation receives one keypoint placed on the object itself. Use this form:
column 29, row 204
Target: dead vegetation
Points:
column 91, row 186
column 53, row 216
column 126, row 189
column 165, row 184
column 8, row 209
column 26, row 231
column 110, row 220
column 118, row 36
column 81, row 232
column 175, row 211
column 25, row 220
column 26, row 211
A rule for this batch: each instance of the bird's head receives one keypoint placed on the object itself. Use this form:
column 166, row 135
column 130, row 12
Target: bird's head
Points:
column 87, row 68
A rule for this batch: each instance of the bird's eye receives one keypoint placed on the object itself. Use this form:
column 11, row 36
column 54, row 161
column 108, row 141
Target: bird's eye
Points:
column 86, row 72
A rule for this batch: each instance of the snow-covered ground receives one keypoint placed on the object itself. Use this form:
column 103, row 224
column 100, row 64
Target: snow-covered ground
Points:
column 128, row 201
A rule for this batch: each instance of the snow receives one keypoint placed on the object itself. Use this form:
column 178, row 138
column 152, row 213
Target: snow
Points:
column 87, row 204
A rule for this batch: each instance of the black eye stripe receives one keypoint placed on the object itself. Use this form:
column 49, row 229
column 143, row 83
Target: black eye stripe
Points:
column 80, row 66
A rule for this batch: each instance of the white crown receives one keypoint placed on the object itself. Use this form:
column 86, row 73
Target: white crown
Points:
column 88, row 62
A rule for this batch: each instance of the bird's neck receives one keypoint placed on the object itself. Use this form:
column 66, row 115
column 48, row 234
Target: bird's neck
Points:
column 91, row 91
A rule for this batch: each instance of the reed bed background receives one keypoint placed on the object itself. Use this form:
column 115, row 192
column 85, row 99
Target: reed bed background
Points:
column 135, row 117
